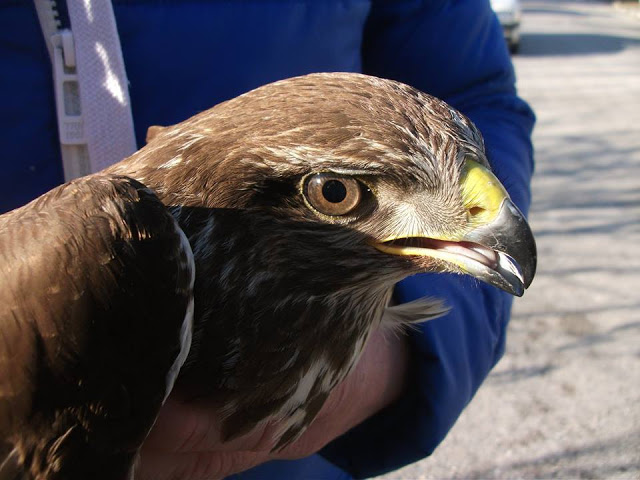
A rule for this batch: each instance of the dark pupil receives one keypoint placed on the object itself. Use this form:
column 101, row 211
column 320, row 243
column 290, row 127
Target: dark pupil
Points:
column 334, row 191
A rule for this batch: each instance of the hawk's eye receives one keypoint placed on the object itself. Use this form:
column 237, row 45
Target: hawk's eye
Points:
column 333, row 194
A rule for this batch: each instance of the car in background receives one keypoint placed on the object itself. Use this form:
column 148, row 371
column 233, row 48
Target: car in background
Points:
column 509, row 13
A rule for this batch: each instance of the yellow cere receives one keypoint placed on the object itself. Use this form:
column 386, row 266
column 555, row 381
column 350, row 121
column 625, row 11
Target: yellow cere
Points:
column 482, row 193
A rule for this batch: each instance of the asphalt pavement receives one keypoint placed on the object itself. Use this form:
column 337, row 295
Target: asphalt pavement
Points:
column 564, row 402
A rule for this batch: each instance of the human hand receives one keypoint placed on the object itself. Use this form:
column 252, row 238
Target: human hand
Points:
column 186, row 444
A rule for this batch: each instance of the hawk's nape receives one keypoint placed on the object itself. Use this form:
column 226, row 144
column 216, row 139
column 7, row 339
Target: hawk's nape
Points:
column 304, row 202
column 95, row 317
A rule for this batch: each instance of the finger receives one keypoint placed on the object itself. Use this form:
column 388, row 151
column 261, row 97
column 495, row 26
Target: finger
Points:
column 184, row 427
column 195, row 465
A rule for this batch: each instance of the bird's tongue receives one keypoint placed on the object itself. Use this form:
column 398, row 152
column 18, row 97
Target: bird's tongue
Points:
column 474, row 251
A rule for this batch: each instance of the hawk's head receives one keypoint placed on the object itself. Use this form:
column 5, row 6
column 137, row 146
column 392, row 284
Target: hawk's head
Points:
column 387, row 180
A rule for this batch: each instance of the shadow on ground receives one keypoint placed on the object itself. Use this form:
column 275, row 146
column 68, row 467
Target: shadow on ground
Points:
column 579, row 462
column 560, row 44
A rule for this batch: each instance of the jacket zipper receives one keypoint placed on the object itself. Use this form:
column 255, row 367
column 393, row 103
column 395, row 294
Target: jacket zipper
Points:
column 54, row 19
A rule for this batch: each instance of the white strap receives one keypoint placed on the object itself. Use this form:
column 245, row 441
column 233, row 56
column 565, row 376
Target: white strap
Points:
column 92, row 97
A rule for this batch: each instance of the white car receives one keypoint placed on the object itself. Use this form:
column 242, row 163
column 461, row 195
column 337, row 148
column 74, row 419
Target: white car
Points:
column 509, row 13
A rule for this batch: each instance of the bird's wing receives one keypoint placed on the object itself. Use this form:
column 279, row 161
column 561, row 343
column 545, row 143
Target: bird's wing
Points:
column 96, row 310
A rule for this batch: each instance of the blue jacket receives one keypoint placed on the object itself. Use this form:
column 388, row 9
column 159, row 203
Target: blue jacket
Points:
column 185, row 56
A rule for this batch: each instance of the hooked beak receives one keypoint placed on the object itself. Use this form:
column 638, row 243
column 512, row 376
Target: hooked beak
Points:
column 510, row 239
column 497, row 247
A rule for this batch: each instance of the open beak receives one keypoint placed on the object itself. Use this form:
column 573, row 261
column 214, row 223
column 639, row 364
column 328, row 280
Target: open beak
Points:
column 497, row 247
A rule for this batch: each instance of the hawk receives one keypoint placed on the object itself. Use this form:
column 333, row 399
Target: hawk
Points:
column 253, row 249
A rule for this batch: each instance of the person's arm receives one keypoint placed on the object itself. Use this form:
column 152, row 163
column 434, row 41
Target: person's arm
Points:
column 453, row 50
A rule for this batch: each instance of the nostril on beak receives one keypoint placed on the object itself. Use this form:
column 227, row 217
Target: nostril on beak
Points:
column 475, row 211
